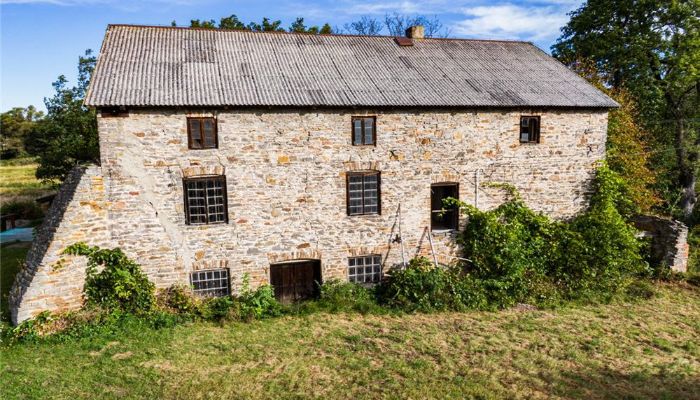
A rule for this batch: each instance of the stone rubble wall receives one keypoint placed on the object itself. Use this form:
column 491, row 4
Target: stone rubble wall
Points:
column 49, row 280
column 285, row 175
column 669, row 241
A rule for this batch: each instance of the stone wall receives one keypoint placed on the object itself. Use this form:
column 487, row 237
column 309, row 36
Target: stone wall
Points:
column 285, row 176
column 669, row 241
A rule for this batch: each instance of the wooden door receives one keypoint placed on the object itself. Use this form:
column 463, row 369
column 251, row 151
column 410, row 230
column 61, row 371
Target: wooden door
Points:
column 295, row 281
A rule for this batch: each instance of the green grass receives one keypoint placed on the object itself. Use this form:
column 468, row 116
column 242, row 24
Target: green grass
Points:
column 11, row 258
column 646, row 349
column 18, row 181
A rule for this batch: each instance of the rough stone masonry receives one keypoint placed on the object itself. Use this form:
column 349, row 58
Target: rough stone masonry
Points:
column 285, row 177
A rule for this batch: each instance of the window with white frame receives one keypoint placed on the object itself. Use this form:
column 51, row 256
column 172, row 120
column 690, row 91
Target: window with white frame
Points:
column 365, row 269
column 211, row 283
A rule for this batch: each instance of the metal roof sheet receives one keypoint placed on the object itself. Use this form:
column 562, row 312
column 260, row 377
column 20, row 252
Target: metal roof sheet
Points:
column 165, row 66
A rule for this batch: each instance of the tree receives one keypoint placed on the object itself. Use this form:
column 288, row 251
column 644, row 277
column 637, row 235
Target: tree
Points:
column 397, row 24
column 650, row 48
column 366, row 26
column 15, row 125
column 67, row 136
column 298, row 26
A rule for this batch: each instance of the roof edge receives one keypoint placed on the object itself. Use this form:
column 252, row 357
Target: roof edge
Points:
column 109, row 26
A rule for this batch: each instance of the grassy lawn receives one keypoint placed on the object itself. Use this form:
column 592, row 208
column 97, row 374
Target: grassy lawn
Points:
column 11, row 258
column 647, row 349
column 17, row 181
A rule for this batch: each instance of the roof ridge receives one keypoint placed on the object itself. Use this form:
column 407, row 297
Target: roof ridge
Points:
column 311, row 34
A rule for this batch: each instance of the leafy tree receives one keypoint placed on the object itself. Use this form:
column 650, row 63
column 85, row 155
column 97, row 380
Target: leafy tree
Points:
column 15, row 125
column 652, row 49
column 67, row 136
column 298, row 26
column 231, row 22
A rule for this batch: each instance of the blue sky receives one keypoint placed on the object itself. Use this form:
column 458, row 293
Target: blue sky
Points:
column 41, row 39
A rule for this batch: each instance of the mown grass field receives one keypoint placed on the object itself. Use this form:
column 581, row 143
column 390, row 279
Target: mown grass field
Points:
column 18, row 182
column 643, row 350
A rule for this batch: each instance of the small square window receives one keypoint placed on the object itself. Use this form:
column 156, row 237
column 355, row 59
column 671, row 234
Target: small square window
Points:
column 364, row 131
column 530, row 129
column 363, row 193
column 212, row 283
column 205, row 200
column 368, row 270
column 202, row 133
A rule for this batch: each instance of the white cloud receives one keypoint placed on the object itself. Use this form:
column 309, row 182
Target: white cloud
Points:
column 509, row 21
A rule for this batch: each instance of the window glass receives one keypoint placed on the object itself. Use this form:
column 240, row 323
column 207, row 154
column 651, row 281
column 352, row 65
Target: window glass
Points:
column 205, row 199
column 365, row 269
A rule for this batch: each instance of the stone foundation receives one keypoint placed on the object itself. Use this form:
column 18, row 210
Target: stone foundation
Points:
column 285, row 176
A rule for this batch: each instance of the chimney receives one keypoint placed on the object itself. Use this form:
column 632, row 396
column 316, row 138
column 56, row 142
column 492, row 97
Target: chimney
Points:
column 415, row 32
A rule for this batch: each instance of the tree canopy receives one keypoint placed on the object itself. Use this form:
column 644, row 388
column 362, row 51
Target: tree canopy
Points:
column 650, row 48
column 67, row 136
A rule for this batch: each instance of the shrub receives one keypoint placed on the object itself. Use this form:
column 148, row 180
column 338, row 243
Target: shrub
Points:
column 258, row 303
column 118, row 283
column 27, row 209
column 179, row 299
column 522, row 256
column 337, row 296
column 423, row 287
column 217, row 308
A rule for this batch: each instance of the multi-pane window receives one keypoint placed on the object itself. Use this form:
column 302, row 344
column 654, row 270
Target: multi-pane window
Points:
column 201, row 133
column 205, row 200
column 365, row 269
column 364, row 131
column 363, row 193
column 211, row 283
column 441, row 217
column 529, row 129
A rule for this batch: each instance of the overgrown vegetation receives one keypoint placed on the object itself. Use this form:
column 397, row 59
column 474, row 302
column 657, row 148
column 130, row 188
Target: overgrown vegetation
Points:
column 515, row 256
column 636, row 350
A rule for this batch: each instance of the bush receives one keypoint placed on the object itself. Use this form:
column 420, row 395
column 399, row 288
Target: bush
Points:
column 518, row 255
column 9, row 153
column 23, row 209
column 217, row 309
column 258, row 303
column 423, row 287
column 119, row 284
column 179, row 299
column 337, row 296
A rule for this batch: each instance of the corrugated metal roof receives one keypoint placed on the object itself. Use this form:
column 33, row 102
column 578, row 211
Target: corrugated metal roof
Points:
column 164, row 66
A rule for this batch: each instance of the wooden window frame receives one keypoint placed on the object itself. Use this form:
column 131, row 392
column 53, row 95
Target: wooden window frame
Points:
column 224, row 193
column 201, row 133
column 376, row 277
column 216, row 291
column 536, row 133
column 454, row 225
column 374, row 130
column 379, row 192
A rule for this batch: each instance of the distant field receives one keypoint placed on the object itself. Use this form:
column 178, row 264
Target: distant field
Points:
column 643, row 350
column 18, row 182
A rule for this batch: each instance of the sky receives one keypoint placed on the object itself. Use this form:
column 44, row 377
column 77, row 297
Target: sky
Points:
column 42, row 39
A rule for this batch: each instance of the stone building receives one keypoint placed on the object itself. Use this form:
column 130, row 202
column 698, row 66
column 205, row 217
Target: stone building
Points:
column 297, row 158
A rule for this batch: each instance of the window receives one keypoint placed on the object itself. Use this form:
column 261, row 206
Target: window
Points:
column 529, row 129
column 212, row 283
column 365, row 269
column 201, row 133
column 442, row 218
column 363, row 131
column 363, row 193
column 205, row 200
